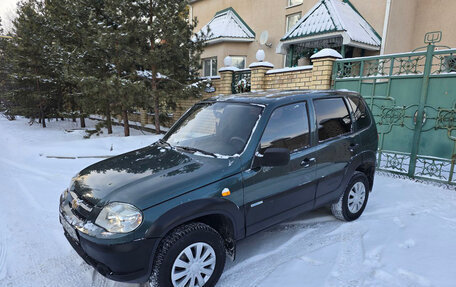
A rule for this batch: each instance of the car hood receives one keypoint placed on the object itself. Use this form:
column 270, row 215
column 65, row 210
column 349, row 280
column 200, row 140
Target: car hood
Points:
column 149, row 176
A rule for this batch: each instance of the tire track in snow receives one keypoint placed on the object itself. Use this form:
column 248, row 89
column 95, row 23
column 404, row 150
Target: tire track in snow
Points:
column 349, row 269
column 9, row 164
column 311, row 238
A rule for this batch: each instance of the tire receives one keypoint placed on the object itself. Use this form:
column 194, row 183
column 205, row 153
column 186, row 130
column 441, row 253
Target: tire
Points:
column 349, row 211
column 189, row 237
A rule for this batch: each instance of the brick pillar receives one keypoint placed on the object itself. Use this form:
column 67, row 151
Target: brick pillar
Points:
column 226, row 78
column 323, row 62
column 143, row 117
column 258, row 75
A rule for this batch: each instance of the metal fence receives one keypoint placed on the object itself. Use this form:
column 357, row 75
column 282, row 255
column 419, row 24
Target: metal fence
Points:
column 413, row 99
column 241, row 81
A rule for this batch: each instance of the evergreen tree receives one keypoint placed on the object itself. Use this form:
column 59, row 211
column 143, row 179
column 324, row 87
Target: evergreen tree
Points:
column 34, row 91
column 119, row 43
column 170, row 48
column 68, row 23
column 3, row 71
column 108, row 57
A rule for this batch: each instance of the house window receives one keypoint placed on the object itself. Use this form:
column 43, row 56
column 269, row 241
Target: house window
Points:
column 294, row 2
column 292, row 20
column 210, row 67
column 238, row 61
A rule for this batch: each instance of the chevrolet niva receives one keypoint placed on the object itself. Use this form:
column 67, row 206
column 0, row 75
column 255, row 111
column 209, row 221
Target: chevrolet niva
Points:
column 170, row 213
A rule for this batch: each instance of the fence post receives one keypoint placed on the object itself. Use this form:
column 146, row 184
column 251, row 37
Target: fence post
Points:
column 323, row 63
column 420, row 114
column 258, row 75
column 226, row 79
column 143, row 117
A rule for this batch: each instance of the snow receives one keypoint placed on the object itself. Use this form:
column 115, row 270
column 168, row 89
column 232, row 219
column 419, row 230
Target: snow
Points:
column 404, row 238
column 33, row 251
column 227, row 24
column 231, row 69
column 328, row 16
column 326, row 52
column 148, row 74
column 289, row 69
column 261, row 64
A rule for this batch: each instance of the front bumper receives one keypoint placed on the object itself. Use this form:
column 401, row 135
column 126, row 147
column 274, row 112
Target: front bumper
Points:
column 129, row 262
column 125, row 261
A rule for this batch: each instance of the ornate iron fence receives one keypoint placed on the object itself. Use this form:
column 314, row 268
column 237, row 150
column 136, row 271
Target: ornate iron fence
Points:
column 413, row 99
column 241, row 81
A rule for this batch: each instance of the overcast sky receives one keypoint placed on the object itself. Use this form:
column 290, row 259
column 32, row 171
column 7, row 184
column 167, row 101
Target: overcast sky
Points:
column 7, row 8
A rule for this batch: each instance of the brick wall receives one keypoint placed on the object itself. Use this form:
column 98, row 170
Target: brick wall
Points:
column 264, row 77
column 290, row 79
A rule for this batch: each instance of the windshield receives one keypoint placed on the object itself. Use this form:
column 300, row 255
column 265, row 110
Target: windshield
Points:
column 218, row 128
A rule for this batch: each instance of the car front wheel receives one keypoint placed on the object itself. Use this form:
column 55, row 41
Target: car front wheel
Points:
column 193, row 255
column 353, row 201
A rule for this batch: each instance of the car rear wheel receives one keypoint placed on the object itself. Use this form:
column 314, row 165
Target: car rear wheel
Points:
column 193, row 255
column 352, row 202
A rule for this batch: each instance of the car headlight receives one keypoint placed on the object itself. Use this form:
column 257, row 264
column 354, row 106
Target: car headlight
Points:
column 119, row 217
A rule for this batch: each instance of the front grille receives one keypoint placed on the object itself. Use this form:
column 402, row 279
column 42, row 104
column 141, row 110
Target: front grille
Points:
column 80, row 207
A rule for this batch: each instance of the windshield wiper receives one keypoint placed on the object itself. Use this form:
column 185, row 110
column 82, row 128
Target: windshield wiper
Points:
column 162, row 141
column 192, row 149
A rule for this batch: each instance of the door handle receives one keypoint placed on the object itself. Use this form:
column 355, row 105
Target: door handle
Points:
column 352, row 147
column 307, row 162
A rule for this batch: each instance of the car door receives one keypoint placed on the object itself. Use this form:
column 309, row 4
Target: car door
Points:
column 272, row 194
column 336, row 140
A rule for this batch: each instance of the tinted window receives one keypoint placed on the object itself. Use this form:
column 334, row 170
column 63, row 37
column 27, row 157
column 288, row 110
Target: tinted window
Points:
column 288, row 127
column 333, row 118
column 360, row 112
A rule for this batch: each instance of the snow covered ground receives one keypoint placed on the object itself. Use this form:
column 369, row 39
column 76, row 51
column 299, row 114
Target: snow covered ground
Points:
column 406, row 237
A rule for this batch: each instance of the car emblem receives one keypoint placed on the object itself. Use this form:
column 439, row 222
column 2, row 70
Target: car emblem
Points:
column 75, row 203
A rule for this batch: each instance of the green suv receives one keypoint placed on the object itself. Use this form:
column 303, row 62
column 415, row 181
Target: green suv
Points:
column 171, row 212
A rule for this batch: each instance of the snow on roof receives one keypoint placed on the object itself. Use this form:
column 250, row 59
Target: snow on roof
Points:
column 334, row 16
column 327, row 52
column 227, row 25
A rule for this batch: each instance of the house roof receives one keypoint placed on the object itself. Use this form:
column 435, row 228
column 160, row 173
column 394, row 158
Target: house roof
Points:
column 227, row 25
column 337, row 18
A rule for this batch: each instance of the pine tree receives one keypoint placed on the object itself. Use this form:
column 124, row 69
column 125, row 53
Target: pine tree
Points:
column 107, row 57
column 3, row 69
column 170, row 48
column 69, row 26
column 118, row 44
column 34, row 91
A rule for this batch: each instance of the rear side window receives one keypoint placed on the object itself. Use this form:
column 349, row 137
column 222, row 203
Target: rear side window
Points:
column 333, row 118
column 360, row 112
column 288, row 127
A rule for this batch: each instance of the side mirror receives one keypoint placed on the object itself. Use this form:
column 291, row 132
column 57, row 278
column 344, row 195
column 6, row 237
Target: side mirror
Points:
column 275, row 157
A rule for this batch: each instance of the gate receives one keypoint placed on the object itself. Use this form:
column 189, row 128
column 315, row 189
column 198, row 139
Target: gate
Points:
column 413, row 99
